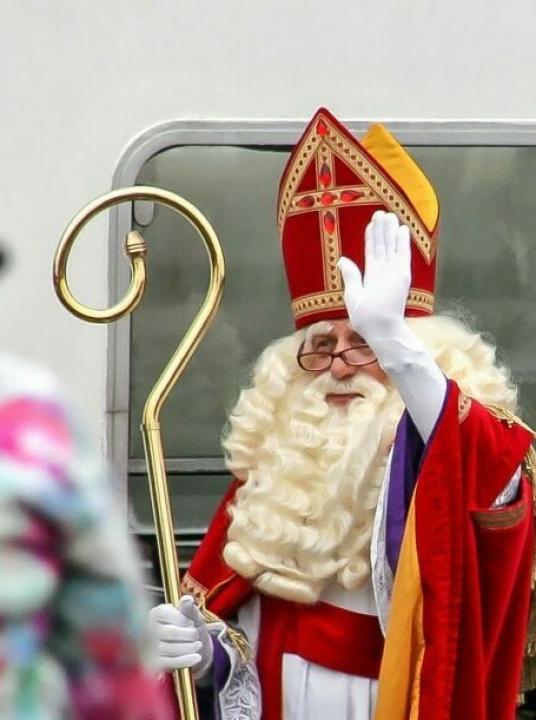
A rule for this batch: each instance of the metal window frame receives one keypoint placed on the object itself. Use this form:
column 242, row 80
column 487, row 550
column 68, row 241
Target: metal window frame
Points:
column 234, row 132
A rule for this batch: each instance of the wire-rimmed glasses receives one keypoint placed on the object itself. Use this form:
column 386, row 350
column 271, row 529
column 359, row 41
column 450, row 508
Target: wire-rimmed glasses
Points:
column 320, row 360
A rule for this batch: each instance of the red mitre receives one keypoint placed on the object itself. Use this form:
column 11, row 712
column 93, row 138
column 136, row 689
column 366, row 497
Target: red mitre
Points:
column 331, row 186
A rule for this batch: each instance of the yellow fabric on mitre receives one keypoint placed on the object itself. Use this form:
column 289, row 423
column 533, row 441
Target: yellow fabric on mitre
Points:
column 391, row 156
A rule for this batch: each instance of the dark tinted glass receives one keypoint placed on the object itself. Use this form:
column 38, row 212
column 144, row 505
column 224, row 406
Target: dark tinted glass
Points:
column 487, row 264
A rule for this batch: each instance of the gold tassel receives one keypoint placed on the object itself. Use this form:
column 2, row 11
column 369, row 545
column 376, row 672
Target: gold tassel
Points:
column 236, row 638
column 199, row 593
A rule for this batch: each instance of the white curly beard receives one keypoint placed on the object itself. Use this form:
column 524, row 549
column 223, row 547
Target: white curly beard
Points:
column 304, row 514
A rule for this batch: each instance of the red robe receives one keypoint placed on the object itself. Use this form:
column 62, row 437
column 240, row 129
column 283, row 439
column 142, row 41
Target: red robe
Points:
column 460, row 603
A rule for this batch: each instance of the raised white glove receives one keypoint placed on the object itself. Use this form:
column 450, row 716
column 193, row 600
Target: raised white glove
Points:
column 376, row 306
column 183, row 640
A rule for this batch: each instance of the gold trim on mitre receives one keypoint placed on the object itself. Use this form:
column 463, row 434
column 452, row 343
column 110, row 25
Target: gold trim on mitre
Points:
column 420, row 300
column 325, row 301
column 310, row 304
column 388, row 154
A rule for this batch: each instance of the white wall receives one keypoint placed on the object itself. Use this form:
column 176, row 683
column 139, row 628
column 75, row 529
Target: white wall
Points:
column 81, row 78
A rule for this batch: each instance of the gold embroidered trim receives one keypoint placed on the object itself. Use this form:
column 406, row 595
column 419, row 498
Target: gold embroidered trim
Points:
column 387, row 192
column 331, row 244
column 530, row 461
column 300, row 162
column 509, row 417
column 189, row 586
column 367, row 196
column 501, row 518
column 420, row 300
column 320, row 216
column 529, row 468
column 464, row 405
column 366, row 171
column 309, row 304
column 333, row 254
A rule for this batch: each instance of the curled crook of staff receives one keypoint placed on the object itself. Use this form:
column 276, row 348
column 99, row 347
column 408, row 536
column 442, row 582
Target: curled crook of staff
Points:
column 136, row 249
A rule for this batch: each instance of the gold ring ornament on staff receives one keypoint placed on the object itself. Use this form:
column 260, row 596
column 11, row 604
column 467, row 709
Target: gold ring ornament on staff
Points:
column 136, row 249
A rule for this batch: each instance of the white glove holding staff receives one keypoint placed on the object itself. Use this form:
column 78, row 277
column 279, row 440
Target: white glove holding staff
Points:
column 376, row 306
column 183, row 640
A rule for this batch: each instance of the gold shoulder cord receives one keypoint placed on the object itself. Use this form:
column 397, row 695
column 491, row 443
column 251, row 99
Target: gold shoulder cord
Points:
column 528, row 678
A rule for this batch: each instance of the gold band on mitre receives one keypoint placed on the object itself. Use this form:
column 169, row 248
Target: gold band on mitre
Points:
column 325, row 301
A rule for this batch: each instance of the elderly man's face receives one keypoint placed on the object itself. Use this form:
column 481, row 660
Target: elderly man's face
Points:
column 341, row 336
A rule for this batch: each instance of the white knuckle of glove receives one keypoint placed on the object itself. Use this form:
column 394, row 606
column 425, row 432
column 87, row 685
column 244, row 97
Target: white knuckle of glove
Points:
column 181, row 636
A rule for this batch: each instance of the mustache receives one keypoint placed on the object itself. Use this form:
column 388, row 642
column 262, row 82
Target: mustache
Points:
column 341, row 387
column 362, row 384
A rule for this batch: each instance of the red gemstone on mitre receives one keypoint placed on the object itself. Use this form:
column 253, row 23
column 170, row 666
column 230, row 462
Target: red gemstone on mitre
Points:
column 327, row 198
column 305, row 202
column 325, row 175
column 321, row 128
column 349, row 195
column 329, row 222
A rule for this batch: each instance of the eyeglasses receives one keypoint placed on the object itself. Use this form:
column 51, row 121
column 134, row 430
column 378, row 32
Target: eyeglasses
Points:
column 321, row 360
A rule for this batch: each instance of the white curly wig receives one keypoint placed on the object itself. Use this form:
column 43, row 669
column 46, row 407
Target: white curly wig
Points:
column 312, row 473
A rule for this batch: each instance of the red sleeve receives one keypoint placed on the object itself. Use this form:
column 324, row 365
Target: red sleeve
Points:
column 474, row 563
column 492, row 449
